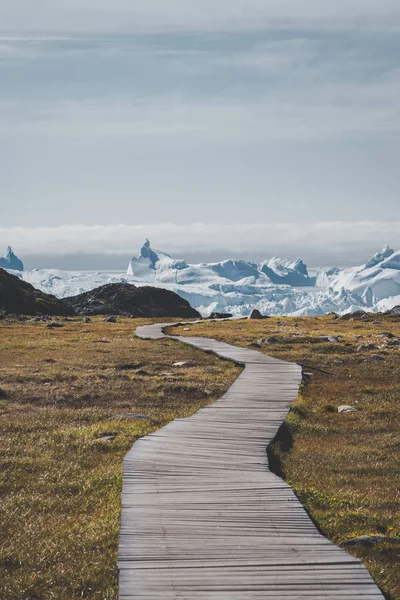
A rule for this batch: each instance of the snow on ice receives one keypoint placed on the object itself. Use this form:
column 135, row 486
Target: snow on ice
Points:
column 275, row 287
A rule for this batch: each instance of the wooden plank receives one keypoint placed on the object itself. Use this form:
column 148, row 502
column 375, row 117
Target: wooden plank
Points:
column 203, row 518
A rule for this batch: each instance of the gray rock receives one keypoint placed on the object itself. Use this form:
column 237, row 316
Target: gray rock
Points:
column 255, row 314
column 386, row 334
column 346, row 409
column 374, row 357
column 110, row 319
column 183, row 364
column 369, row 540
column 270, row 340
column 86, row 320
column 106, row 438
column 366, row 347
column 333, row 339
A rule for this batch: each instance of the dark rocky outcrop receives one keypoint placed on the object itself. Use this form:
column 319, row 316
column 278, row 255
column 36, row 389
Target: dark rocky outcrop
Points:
column 20, row 298
column 255, row 314
column 220, row 315
column 128, row 300
column 394, row 312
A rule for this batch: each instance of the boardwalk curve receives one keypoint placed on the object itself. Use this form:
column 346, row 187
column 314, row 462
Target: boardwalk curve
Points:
column 204, row 518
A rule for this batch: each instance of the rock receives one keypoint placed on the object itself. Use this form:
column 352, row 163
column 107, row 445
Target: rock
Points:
column 386, row 335
column 219, row 315
column 374, row 357
column 182, row 364
column 346, row 409
column 106, row 438
column 128, row 300
column 395, row 342
column 359, row 315
column 366, row 347
column 141, row 372
column 186, row 329
column 54, row 325
column 86, row 320
column 254, row 345
column 333, row 339
column 255, row 314
column 208, row 392
column 369, row 540
column 21, row 298
column 110, row 319
column 395, row 311
column 270, row 340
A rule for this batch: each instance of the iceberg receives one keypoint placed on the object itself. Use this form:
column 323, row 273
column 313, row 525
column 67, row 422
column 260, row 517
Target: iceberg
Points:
column 289, row 272
column 377, row 280
column 11, row 261
column 275, row 287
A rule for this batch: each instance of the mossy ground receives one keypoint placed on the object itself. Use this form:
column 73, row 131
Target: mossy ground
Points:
column 343, row 467
column 60, row 483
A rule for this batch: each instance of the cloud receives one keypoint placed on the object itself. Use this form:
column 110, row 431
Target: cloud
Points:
column 335, row 241
column 192, row 15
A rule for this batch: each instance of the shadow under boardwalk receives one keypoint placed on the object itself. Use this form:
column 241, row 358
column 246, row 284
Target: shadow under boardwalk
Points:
column 203, row 517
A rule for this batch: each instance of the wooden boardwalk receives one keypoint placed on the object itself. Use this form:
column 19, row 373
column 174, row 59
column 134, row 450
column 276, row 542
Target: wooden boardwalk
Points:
column 204, row 518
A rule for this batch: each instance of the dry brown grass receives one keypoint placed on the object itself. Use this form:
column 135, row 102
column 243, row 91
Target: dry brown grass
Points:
column 60, row 484
column 343, row 467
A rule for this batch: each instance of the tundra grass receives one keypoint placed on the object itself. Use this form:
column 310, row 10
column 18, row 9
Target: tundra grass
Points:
column 73, row 400
column 344, row 468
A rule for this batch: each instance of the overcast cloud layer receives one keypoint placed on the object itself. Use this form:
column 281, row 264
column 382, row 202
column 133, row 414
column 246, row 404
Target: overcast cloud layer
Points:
column 192, row 15
column 236, row 111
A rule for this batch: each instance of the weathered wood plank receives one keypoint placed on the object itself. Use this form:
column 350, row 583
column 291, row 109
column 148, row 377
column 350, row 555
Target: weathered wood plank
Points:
column 203, row 517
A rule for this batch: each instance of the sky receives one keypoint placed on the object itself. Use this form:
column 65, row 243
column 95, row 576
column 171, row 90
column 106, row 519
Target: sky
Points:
column 237, row 127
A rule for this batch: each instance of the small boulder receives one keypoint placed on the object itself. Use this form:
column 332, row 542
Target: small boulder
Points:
column 369, row 541
column 366, row 347
column 333, row 339
column 110, row 319
column 374, row 357
column 386, row 334
column 182, row 364
column 346, row 409
column 86, row 320
column 141, row 372
column 270, row 340
column 255, row 314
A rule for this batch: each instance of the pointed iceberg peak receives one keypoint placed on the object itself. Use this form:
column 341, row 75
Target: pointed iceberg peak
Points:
column 379, row 257
column 148, row 253
column 11, row 261
column 151, row 263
